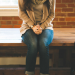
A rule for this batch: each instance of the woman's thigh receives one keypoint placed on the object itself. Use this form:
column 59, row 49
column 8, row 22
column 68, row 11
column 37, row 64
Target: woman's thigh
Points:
column 46, row 37
column 29, row 37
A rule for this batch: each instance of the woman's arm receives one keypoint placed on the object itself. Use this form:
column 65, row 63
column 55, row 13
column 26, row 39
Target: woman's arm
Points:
column 51, row 15
column 23, row 15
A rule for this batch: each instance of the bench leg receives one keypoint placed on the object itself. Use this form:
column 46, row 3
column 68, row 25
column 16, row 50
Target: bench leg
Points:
column 68, row 57
column 56, row 58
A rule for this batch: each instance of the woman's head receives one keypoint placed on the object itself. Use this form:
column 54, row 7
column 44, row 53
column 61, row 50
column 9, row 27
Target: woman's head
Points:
column 27, row 4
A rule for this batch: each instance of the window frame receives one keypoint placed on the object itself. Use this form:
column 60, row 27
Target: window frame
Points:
column 9, row 10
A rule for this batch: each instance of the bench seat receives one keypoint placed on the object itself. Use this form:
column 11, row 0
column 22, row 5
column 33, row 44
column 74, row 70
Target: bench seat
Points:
column 62, row 37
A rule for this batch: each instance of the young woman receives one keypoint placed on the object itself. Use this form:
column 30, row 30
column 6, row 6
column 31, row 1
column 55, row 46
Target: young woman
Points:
column 37, row 32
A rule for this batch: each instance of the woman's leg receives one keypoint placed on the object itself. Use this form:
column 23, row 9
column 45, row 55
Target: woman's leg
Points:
column 30, row 39
column 44, row 40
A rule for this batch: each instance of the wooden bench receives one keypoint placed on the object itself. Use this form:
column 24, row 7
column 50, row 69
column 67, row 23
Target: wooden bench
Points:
column 11, row 45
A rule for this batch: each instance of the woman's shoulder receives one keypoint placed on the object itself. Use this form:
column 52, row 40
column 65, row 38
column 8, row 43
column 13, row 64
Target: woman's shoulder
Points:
column 20, row 2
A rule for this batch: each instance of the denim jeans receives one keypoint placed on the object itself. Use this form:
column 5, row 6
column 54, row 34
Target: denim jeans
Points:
column 37, row 43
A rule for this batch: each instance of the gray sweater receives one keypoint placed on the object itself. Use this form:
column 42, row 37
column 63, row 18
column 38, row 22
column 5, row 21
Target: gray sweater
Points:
column 38, row 11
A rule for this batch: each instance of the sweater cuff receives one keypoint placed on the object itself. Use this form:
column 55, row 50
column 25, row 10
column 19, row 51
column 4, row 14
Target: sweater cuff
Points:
column 42, row 26
column 30, row 23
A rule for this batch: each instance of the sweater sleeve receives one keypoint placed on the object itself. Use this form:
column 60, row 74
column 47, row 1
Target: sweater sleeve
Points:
column 51, row 15
column 23, row 15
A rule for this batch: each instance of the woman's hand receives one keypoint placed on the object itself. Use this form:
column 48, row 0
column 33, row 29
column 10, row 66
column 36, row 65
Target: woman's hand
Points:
column 37, row 29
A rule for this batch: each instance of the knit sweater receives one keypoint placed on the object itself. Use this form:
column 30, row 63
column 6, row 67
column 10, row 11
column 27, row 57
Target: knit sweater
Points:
column 28, row 17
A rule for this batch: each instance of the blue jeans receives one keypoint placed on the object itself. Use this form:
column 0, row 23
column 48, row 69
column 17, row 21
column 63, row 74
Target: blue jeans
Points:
column 37, row 43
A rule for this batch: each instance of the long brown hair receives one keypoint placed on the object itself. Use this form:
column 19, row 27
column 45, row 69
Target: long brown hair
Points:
column 27, row 4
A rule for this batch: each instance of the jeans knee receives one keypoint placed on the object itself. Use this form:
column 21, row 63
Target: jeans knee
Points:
column 43, row 44
column 32, row 48
column 34, row 45
column 44, row 47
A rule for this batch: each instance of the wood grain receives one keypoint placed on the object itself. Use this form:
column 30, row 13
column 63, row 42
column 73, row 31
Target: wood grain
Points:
column 21, row 71
column 12, row 37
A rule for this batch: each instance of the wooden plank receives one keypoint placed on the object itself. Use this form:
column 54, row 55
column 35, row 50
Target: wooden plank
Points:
column 64, row 29
column 63, row 34
column 21, row 71
column 22, row 44
column 17, row 51
column 62, row 37
column 63, row 41
column 54, row 43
